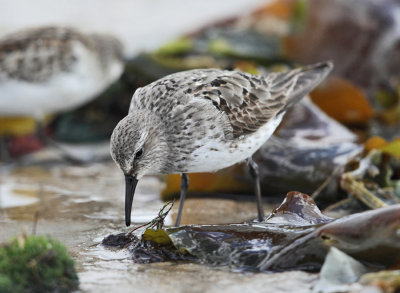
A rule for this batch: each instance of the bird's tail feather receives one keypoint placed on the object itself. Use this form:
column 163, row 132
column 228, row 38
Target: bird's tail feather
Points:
column 305, row 80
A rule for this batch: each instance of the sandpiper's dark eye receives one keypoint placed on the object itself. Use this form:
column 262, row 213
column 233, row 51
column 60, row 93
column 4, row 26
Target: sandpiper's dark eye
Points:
column 138, row 154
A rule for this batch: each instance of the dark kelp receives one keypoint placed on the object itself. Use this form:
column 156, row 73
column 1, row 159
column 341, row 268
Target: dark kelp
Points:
column 154, row 245
column 295, row 236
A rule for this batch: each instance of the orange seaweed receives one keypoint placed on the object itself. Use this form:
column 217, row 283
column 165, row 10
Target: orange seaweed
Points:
column 282, row 9
column 343, row 101
column 373, row 143
column 223, row 181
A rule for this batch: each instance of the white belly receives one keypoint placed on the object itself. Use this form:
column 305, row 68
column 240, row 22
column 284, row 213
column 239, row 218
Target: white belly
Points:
column 215, row 154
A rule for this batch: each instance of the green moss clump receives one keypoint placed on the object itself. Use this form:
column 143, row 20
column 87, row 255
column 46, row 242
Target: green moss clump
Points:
column 36, row 264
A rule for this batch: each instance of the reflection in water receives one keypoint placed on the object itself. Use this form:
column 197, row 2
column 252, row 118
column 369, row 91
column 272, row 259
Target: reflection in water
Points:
column 16, row 196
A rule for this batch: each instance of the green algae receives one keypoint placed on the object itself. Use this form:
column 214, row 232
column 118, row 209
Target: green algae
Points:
column 36, row 264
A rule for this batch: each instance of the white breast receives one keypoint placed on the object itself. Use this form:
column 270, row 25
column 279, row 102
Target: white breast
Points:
column 217, row 154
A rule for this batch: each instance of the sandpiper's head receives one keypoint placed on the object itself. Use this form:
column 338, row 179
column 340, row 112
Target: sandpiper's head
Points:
column 138, row 147
column 109, row 47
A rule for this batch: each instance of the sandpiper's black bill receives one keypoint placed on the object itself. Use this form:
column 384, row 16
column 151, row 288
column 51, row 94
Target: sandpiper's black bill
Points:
column 130, row 186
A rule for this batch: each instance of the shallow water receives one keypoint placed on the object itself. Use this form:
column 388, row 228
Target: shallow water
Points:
column 81, row 205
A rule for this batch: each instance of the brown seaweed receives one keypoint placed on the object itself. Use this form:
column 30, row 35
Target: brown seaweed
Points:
column 371, row 236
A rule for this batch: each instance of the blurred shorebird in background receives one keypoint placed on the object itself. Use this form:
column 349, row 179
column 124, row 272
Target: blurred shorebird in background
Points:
column 54, row 69
column 204, row 120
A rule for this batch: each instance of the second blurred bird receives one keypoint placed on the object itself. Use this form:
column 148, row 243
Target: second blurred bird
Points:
column 55, row 69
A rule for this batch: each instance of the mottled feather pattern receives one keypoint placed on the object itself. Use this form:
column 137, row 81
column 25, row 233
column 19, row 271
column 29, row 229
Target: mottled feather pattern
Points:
column 248, row 101
column 36, row 55
column 190, row 119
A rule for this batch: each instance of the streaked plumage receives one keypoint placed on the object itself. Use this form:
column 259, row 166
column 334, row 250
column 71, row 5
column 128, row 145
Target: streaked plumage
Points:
column 205, row 119
column 52, row 69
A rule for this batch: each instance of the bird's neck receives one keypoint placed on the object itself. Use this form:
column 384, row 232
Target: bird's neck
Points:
column 157, row 140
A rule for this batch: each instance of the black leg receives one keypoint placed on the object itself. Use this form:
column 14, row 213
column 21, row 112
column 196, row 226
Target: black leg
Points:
column 184, row 188
column 40, row 131
column 253, row 169
column 47, row 141
column 4, row 154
